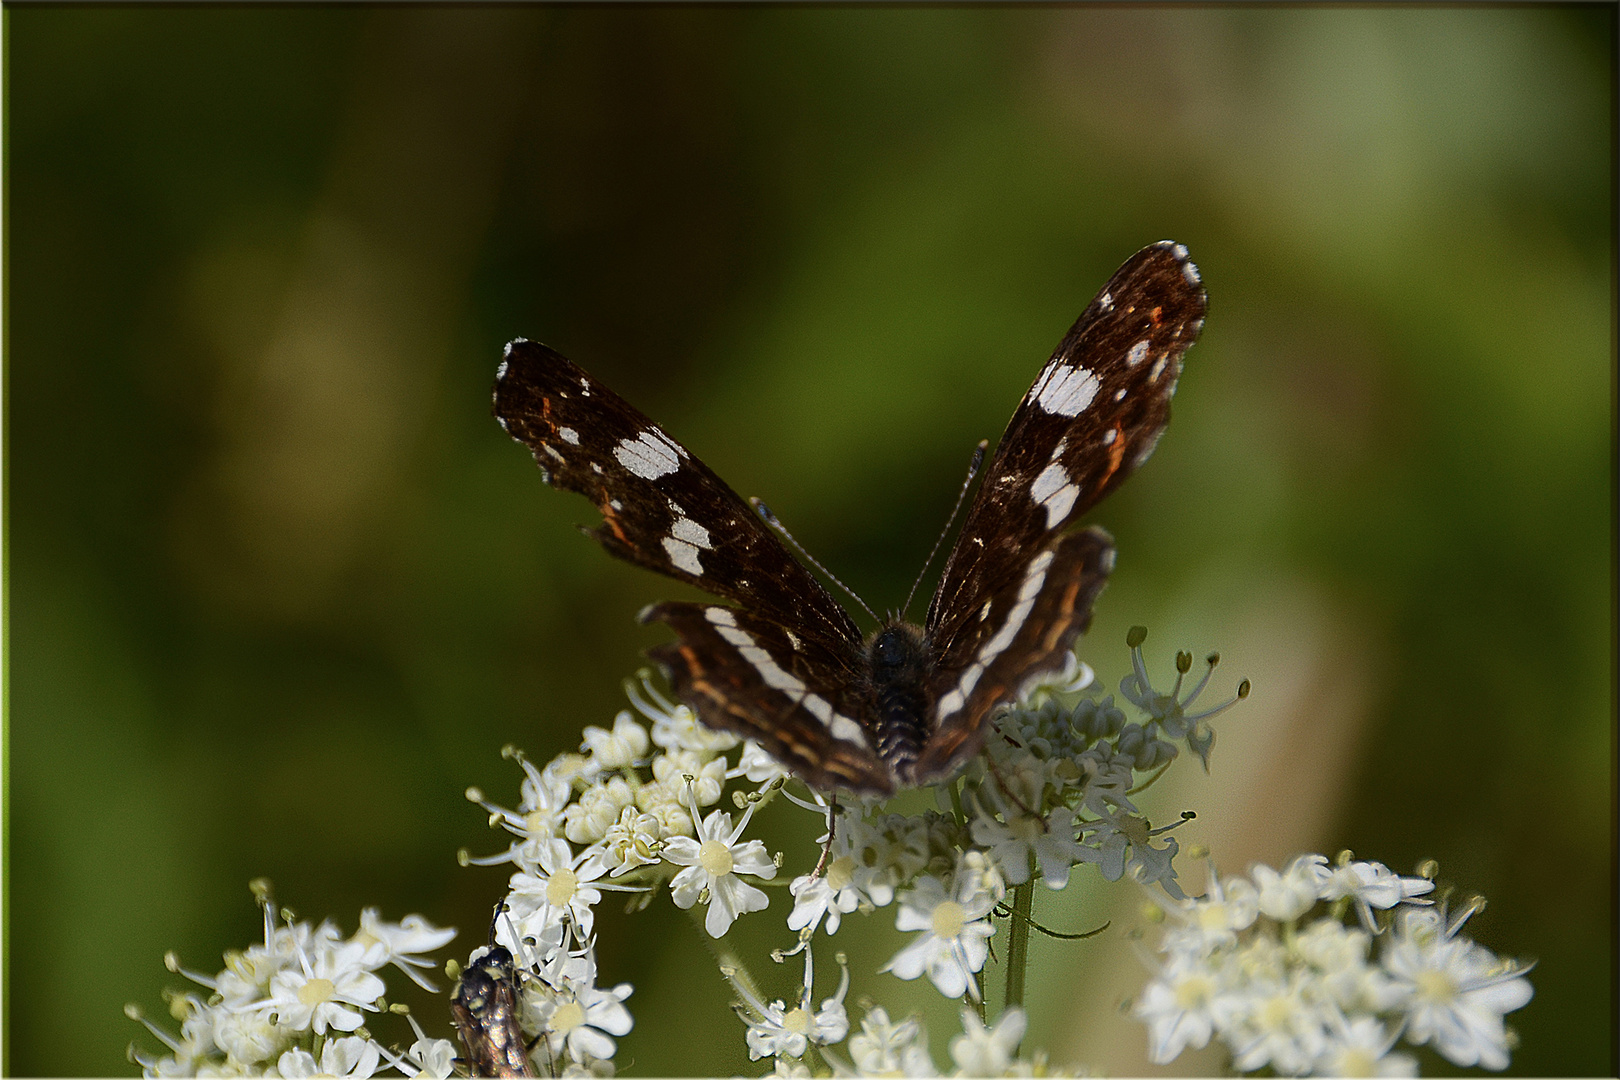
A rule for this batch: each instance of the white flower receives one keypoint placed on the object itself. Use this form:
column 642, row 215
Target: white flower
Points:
column 882, row 1048
column 400, row 943
column 955, row 928
column 1373, row 885
column 982, row 1051
column 327, row 990
column 757, row 764
column 248, row 1037
column 675, row 727
column 1360, row 1047
column 708, row 775
column 1213, row 921
column 617, row 748
column 1180, row 1008
column 1168, row 709
column 433, row 1058
column 832, row 895
column 1276, row 1024
column 575, row 1016
column 349, row 1056
column 1456, row 991
column 1290, row 894
column 631, row 841
column 1022, row 839
column 712, row 863
column 587, row 820
column 559, row 887
column 775, row 1029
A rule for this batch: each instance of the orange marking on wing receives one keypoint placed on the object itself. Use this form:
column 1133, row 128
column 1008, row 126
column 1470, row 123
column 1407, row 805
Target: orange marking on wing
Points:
column 1116, row 454
column 1059, row 625
column 1157, row 311
column 611, row 519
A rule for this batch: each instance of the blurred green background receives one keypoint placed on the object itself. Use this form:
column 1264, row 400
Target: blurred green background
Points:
column 280, row 588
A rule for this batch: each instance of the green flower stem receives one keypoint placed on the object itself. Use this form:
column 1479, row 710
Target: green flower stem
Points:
column 1023, row 900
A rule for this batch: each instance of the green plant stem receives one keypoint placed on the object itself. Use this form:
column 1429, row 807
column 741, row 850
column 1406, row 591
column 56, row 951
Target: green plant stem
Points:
column 1023, row 900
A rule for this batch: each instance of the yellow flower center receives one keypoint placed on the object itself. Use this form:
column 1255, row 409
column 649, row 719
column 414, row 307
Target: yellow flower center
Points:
column 797, row 1021
column 949, row 918
column 560, row 889
column 840, row 872
column 715, row 858
column 1434, row 986
column 567, row 1018
column 1355, row 1063
column 1193, row 991
column 316, row 992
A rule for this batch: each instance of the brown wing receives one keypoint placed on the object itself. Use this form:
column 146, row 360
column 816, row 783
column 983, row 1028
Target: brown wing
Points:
column 1022, row 631
column 802, row 702
column 661, row 507
column 1093, row 415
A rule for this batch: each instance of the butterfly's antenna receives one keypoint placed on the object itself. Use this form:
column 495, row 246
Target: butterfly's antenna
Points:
column 770, row 519
column 973, row 470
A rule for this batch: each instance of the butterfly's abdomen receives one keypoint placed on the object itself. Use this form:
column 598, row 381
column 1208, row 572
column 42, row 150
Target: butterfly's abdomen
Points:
column 898, row 656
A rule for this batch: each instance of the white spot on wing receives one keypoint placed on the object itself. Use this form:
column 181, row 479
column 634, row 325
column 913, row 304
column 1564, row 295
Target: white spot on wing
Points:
column 1119, row 395
column 689, row 531
column 552, row 450
column 1137, row 354
column 1106, row 301
column 500, row 372
column 760, row 660
column 1067, row 391
column 683, row 555
column 1158, row 368
column 1034, row 578
column 649, row 455
column 569, row 435
column 1053, row 490
column 842, row 727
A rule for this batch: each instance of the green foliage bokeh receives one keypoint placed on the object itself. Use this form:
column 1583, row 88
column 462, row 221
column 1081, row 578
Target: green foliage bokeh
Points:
column 280, row 588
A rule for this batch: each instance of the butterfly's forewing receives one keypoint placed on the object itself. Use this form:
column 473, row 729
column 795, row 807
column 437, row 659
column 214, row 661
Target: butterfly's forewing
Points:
column 661, row 507
column 803, row 703
column 1022, row 631
column 1093, row 415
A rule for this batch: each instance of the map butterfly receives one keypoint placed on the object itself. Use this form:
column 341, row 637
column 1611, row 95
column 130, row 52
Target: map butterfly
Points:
column 783, row 663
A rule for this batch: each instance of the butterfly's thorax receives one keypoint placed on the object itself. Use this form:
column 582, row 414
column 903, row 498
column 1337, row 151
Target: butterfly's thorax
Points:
column 899, row 660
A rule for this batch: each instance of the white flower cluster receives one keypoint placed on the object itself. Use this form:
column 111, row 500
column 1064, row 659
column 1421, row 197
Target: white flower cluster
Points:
column 295, row 1005
column 629, row 813
column 1051, row 791
column 1300, row 996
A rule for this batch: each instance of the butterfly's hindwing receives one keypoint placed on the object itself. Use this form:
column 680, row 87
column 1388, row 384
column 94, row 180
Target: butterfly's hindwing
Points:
column 1093, row 415
column 661, row 507
column 1025, row 631
column 804, row 703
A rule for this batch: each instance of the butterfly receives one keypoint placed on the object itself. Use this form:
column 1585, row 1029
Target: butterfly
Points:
column 782, row 662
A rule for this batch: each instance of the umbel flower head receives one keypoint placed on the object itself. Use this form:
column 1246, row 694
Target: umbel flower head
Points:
column 1300, row 995
column 1254, row 962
